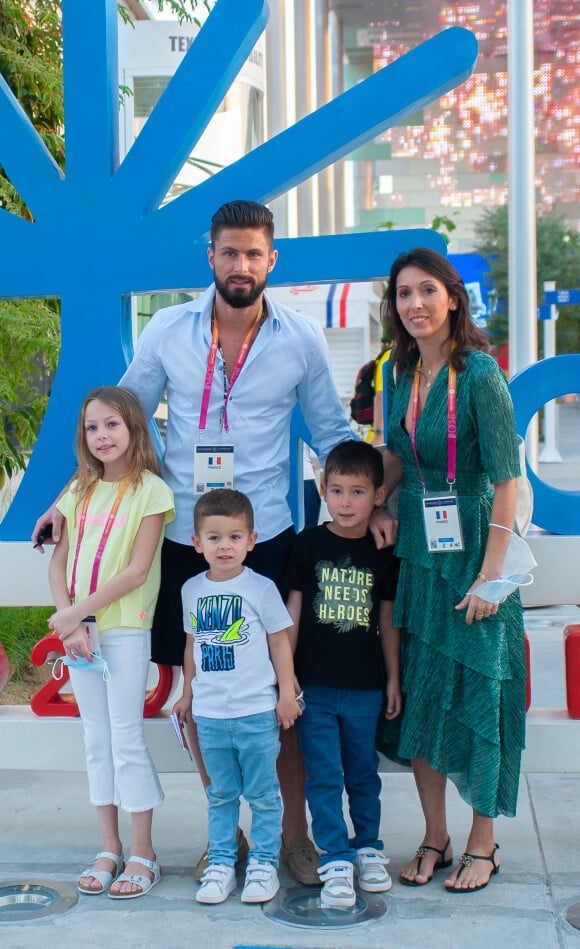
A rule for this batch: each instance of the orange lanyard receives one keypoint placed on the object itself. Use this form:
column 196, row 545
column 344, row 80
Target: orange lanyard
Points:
column 105, row 536
column 451, row 423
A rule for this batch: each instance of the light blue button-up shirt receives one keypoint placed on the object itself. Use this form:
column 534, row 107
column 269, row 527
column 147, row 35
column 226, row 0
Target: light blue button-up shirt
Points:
column 287, row 364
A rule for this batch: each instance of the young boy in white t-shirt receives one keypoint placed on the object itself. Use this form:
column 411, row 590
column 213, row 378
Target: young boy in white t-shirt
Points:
column 239, row 685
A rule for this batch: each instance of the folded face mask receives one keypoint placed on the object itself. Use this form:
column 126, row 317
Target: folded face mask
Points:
column 494, row 591
column 79, row 662
column 515, row 571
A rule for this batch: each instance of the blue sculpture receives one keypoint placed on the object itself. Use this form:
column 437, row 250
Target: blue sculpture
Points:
column 99, row 233
column 554, row 510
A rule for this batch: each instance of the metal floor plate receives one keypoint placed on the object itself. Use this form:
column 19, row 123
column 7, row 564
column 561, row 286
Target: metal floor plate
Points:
column 33, row 899
column 301, row 907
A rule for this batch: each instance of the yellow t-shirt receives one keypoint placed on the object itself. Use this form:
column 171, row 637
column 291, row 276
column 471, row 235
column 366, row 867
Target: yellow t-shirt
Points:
column 151, row 497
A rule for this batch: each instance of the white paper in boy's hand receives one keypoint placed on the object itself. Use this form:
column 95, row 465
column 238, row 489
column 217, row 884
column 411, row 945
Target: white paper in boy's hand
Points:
column 180, row 733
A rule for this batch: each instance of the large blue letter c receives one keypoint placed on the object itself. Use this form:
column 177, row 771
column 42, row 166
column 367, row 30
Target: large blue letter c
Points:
column 554, row 510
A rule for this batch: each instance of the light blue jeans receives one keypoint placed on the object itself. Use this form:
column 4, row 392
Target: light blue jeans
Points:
column 240, row 756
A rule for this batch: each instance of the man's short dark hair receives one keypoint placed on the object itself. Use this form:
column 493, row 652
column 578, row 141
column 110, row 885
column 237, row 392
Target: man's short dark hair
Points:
column 356, row 458
column 242, row 215
column 223, row 502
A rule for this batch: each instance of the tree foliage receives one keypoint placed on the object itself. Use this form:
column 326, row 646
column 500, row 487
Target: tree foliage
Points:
column 558, row 258
column 441, row 223
column 184, row 10
column 31, row 64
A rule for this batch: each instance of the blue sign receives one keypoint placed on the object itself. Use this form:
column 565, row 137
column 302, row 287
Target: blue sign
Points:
column 562, row 297
column 545, row 312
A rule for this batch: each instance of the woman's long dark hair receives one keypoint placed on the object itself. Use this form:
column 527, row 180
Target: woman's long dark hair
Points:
column 464, row 334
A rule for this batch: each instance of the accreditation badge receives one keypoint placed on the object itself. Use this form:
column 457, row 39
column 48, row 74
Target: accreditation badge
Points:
column 442, row 523
column 213, row 467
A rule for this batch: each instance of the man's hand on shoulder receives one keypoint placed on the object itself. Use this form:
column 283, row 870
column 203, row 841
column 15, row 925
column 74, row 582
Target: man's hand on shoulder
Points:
column 383, row 527
column 47, row 529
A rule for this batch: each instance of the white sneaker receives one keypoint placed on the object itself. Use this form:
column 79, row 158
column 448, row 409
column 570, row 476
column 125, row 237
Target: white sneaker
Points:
column 338, row 889
column 261, row 883
column 216, row 884
column 370, row 869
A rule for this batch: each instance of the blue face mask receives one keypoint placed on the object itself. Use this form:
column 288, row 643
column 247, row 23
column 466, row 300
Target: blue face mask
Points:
column 495, row 591
column 79, row 662
column 515, row 571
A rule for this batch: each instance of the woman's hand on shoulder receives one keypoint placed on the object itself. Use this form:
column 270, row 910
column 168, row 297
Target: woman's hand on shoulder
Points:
column 383, row 526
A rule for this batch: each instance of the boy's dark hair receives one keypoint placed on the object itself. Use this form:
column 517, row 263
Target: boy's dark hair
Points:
column 356, row 458
column 223, row 502
column 241, row 215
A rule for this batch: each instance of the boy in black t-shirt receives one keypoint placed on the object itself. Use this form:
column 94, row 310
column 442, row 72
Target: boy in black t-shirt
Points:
column 346, row 654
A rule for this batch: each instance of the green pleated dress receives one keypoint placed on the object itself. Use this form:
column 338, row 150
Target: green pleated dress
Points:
column 464, row 686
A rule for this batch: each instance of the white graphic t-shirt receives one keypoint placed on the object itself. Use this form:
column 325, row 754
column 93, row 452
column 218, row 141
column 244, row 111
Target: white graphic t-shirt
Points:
column 229, row 621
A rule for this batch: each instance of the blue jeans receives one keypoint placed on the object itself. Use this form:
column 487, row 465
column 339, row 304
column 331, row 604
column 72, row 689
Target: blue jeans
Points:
column 240, row 756
column 337, row 739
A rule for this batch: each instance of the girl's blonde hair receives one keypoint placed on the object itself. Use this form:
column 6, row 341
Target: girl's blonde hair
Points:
column 141, row 455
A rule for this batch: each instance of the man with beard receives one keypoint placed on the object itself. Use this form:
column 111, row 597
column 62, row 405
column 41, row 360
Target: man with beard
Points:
column 234, row 364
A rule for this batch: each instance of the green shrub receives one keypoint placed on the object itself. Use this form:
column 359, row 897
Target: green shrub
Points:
column 20, row 628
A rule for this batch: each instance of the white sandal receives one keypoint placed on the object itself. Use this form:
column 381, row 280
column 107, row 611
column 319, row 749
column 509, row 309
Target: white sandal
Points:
column 138, row 879
column 104, row 877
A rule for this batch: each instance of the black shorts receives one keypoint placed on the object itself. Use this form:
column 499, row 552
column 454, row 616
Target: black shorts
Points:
column 179, row 562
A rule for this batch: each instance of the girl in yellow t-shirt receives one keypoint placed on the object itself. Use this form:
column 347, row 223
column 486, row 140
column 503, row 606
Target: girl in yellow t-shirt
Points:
column 104, row 576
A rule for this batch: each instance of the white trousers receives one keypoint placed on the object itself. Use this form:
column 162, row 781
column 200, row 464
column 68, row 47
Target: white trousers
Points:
column 119, row 766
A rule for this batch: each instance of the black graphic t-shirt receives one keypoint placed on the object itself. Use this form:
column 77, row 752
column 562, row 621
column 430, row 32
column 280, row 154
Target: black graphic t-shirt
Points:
column 342, row 581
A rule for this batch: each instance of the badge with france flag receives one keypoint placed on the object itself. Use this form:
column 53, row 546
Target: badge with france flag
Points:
column 213, row 467
column 442, row 524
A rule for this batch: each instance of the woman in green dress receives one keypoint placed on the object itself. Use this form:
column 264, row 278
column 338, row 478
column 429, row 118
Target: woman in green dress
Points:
column 452, row 446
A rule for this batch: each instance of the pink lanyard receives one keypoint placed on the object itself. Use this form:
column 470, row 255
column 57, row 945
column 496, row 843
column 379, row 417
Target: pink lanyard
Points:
column 209, row 373
column 451, row 423
column 102, row 542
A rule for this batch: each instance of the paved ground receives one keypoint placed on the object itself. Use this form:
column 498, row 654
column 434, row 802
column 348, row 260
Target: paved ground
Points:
column 48, row 831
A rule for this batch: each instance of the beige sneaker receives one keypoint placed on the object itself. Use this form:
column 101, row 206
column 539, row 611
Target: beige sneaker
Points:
column 302, row 861
column 370, row 871
column 338, row 889
column 203, row 862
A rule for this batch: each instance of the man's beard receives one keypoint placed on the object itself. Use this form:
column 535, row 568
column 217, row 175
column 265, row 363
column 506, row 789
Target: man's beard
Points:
column 240, row 297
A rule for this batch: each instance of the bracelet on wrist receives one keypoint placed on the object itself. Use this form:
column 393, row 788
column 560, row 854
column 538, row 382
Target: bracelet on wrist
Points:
column 482, row 577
